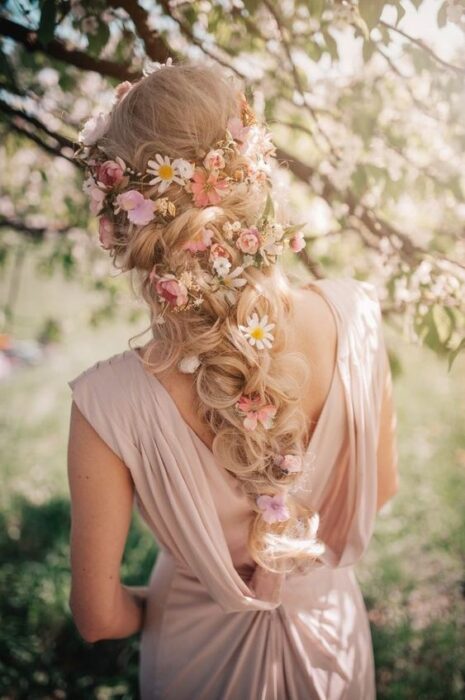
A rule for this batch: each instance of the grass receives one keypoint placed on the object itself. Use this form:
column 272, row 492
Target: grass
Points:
column 412, row 577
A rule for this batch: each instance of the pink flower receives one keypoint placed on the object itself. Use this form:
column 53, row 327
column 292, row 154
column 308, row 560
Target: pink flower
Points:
column 95, row 194
column 111, row 172
column 105, row 232
column 129, row 200
column 139, row 209
column 297, row 242
column 273, row 508
column 238, row 130
column 289, row 463
column 214, row 160
column 122, row 89
column 207, row 188
column 200, row 241
column 143, row 214
column 249, row 240
column 218, row 251
column 255, row 411
column 170, row 289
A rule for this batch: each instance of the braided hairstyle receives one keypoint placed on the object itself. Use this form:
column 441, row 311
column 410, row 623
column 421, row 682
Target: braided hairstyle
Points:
column 182, row 110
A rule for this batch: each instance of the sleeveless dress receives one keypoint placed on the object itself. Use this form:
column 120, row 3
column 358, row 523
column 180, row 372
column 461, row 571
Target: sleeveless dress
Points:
column 217, row 627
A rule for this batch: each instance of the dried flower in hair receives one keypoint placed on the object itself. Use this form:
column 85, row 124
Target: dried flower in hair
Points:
column 165, row 208
column 273, row 508
column 257, row 331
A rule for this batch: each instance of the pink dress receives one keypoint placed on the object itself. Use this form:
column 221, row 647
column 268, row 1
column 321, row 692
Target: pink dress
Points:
column 217, row 627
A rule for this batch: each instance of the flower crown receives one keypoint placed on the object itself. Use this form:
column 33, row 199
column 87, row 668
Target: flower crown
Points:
column 114, row 188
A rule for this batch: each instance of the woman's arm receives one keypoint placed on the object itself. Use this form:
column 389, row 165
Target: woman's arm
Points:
column 388, row 475
column 101, row 490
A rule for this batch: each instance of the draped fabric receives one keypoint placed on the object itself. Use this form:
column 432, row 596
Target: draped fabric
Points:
column 218, row 626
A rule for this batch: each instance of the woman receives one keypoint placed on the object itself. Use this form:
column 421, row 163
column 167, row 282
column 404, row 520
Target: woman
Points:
column 259, row 515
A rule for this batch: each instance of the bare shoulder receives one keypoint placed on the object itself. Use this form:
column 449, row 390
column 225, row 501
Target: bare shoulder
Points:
column 316, row 337
column 316, row 324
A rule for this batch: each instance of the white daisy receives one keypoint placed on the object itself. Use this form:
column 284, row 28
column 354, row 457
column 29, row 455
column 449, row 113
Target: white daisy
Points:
column 221, row 266
column 231, row 284
column 257, row 331
column 164, row 171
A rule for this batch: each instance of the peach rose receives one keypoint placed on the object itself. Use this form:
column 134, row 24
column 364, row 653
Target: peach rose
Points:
column 249, row 240
column 171, row 290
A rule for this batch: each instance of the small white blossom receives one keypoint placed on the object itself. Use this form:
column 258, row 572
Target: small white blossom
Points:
column 94, row 129
column 189, row 364
column 221, row 266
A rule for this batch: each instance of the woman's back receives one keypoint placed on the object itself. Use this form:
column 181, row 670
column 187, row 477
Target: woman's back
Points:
column 208, row 602
column 311, row 330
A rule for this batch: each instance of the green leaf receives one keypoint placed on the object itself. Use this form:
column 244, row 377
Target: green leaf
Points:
column 316, row 8
column 359, row 180
column 441, row 17
column 47, row 21
column 370, row 11
column 6, row 70
column 454, row 353
column 400, row 12
column 368, row 49
column 290, row 230
column 268, row 212
column 431, row 336
column 98, row 40
column 331, row 45
column 314, row 50
column 443, row 323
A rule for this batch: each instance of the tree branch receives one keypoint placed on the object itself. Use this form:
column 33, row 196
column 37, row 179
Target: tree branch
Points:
column 424, row 47
column 63, row 141
column 57, row 49
column 35, row 233
column 373, row 223
column 48, row 148
column 155, row 47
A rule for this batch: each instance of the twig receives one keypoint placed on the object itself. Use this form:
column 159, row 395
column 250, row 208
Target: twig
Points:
column 58, row 50
column 424, row 47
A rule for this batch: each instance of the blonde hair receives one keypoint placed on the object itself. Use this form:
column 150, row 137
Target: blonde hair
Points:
column 180, row 111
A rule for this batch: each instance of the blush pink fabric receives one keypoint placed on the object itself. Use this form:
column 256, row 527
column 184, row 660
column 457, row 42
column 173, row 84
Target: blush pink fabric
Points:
column 218, row 627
